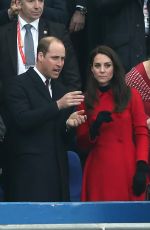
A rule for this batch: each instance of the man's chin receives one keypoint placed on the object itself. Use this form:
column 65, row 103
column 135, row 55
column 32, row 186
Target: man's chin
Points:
column 36, row 16
column 55, row 76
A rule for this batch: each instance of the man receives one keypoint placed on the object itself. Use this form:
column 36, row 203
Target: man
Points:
column 36, row 140
column 12, row 43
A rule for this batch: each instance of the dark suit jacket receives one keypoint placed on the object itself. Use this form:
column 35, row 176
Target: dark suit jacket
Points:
column 54, row 10
column 71, row 4
column 120, row 25
column 8, row 52
column 38, row 168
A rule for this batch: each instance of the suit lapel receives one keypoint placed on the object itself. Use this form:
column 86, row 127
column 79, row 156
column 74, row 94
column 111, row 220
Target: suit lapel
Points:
column 43, row 29
column 11, row 36
column 39, row 84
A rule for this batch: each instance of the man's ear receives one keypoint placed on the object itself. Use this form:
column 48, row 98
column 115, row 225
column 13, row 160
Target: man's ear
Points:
column 40, row 56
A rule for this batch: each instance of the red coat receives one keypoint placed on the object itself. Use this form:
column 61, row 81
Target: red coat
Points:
column 111, row 162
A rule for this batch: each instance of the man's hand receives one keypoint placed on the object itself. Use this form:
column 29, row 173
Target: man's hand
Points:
column 76, row 119
column 70, row 99
column 77, row 22
column 13, row 10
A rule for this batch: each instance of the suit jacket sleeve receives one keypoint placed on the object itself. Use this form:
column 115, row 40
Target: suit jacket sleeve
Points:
column 56, row 11
column 4, row 17
column 18, row 105
column 71, row 69
column 81, row 2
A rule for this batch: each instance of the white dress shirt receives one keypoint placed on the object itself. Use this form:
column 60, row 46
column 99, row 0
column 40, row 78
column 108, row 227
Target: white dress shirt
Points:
column 44, row 79
column 34, row 30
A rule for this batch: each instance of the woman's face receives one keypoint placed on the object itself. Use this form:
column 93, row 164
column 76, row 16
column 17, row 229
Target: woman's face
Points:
column 102, row 69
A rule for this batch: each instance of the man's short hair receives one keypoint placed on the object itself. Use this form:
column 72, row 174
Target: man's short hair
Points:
column 45, row 43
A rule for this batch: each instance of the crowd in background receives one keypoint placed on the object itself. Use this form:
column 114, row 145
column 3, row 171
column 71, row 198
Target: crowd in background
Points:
column 98, row 38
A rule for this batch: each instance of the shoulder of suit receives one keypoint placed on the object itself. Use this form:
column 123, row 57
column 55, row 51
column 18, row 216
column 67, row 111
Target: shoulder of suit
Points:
column 51, row 24
column 8, row 25
column 25, row 77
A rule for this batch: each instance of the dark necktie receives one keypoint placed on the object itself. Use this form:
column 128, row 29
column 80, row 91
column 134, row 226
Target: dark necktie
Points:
column 47, row 83
column 29, row 47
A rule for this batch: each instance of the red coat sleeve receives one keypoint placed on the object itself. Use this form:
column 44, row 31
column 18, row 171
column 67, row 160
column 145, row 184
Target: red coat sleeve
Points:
column 139, row 126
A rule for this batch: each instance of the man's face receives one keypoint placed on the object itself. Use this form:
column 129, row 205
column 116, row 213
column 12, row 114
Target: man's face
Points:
column 52, row 63
column 30, row 9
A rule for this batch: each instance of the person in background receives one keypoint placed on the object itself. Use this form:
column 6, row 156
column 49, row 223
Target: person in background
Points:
column 139, row 78
column 77, row 13
column 8, row 11
column 115, row 133
column 109, row 23
column 54, row 10
column 41, row 120
column 146, row 12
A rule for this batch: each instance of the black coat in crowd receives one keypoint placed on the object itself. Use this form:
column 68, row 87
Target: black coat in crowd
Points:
column 120, row 25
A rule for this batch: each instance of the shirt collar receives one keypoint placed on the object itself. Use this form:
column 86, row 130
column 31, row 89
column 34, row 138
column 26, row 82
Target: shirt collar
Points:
column 23, row 22
column 41, row 75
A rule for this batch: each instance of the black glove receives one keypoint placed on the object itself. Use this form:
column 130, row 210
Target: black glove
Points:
column 103, row 116
column 139, row 179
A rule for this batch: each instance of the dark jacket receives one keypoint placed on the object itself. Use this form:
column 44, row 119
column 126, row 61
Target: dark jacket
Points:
column 120, row 25
column 37, row 159
column 71, row 5
column 54, row 10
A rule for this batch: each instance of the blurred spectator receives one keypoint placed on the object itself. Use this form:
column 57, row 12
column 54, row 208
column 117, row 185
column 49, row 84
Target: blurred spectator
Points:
column 8, row 10
column 146, row 11
column 120, row 25
column 139, row 78
column 77, row 12
column 54, row 10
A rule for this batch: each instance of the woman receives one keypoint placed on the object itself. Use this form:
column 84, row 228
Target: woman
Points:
column 115, row 133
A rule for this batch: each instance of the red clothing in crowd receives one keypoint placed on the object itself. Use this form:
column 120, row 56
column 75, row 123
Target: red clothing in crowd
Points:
column 137, row 78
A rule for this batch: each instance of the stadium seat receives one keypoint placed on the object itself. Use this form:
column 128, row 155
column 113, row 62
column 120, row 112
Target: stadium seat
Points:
column 75, row 176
